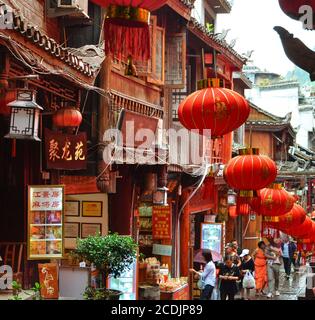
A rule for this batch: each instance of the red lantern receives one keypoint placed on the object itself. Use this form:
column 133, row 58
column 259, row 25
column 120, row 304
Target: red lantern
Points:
column 243, row 208
column 213, row 108
column 250, row 171
column 292, row 219
column 126, row 27
column 272, row 201
column 291, row 7
column 67, row 117
column 301, row 231
column 233, row 212
column 6, row 96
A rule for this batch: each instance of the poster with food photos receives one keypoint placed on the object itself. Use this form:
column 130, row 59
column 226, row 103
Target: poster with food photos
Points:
column 45, row 222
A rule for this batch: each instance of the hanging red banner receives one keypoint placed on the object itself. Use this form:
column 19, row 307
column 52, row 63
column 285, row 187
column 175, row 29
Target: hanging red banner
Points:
column 161, row 223
column 65, row 151
column 269, row 232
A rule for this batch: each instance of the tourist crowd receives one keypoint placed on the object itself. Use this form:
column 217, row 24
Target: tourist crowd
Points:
column 240, row 271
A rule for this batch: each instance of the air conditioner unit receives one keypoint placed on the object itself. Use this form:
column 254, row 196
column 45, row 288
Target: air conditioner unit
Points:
column 72, row 8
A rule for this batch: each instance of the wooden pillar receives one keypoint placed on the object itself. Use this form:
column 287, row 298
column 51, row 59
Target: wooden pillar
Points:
column 184, row 236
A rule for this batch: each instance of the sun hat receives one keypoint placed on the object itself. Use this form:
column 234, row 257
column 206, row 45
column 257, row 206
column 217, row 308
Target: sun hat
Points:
column 245, row 252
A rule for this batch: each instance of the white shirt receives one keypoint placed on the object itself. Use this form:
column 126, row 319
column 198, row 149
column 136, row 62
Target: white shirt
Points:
column 209, row 274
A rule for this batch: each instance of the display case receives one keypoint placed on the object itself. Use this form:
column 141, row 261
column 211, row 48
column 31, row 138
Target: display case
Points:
column 127, row 283
column 45, row 222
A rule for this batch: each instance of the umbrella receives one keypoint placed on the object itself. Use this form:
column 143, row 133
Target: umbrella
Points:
column 198, row 257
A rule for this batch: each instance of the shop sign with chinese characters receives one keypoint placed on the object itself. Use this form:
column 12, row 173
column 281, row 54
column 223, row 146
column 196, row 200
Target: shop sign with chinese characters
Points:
column 48, row 279
column 269, row 232
column 45, row 222
column 161, row 223
column 65, row 151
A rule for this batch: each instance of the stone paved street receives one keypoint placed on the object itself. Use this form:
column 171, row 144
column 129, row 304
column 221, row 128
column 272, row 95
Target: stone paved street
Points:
column 289, row 289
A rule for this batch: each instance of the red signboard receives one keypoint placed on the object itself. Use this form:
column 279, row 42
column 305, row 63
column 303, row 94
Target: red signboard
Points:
column 65, row 151
column 48, row 279
column 130, row 123
column 269, row 232
column 161, row 222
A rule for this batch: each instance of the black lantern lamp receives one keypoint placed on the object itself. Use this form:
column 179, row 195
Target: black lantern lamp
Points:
column 25, row 114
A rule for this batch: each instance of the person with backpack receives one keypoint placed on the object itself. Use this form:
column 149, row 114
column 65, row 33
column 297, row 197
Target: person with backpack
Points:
column 207, row 277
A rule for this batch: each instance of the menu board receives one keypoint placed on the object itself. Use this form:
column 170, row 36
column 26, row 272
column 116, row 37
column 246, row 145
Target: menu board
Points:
column 45, row 222
column 161, row 222
column 212, row 237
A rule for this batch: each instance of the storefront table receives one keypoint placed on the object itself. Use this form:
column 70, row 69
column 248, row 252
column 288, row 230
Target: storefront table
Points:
column 182, row 293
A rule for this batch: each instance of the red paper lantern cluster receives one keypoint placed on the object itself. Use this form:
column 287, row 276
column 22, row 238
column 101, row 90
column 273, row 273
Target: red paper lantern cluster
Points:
column 301, row 231
column 249, row 172
column 213, row 108
column 292, row 219
column 272, row 201
column 67, row 117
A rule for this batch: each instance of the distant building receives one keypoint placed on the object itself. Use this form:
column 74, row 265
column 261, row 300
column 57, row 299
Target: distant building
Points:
column 280, row 97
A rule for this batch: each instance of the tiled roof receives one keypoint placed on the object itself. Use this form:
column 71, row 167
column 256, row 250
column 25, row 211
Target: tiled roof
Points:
column 188, row 3
column 213, row 37
column 273, row 118
column 33, row 34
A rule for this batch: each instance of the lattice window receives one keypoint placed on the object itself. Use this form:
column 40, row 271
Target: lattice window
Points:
column 175, row 60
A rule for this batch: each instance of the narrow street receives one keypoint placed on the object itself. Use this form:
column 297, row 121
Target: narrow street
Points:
column 150, row 150
column 289, row 289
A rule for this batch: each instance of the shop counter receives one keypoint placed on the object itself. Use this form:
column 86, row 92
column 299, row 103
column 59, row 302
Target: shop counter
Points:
column 182, row 293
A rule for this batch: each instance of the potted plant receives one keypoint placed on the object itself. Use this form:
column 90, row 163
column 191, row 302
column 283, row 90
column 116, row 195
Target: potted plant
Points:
column 111, row 255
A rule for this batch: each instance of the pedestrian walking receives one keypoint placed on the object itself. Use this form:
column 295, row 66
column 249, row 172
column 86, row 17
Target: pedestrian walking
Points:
column 230, row 250
column 288, row 249
column 207, row 277
column 260, row 268
column 228, row 275
column 273, row 254
column 247, row 265
column 236, row 247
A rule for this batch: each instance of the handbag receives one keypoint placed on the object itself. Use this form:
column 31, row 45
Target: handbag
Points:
column 249, row 281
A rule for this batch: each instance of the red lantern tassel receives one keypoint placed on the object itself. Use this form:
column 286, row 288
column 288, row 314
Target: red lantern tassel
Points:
column 125, row 37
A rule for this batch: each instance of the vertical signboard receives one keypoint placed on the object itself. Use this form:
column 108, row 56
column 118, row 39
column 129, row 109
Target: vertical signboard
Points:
column 45, row 222
column 161, row 223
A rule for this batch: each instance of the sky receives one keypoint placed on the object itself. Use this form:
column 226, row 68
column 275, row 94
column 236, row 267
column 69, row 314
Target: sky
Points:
column 251, row 23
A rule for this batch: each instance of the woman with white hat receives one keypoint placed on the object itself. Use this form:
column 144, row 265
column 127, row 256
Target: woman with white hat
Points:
column 247, row 265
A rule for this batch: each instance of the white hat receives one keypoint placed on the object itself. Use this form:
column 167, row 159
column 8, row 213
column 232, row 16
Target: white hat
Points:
column 245, row 252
